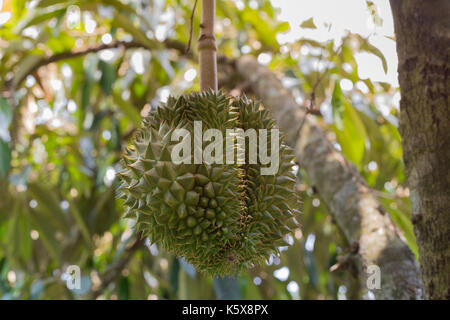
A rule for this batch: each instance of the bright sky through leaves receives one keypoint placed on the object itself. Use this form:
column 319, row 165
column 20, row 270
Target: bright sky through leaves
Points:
column 351, row 15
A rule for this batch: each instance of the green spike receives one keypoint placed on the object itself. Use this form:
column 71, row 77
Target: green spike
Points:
column 191, row 222
column 216, row 173
column 192, row 198
column 210, row 214
column 149, row 154
column 151, row 176
column 200, row 213
column 209, row 190
column 129, row 201
column 130, row 213
column 187, row 181
column 192, row 210
column 164, row 215
column 201, row 179
column 177, row 190
column 218, row 187
column 168, row 171
column 170, row 200
column 164, row 183
column 204, row 202
column 221, row 215
column 182, row 211
column 213, row 203
column 285, row 179
column 165, row 154
column 197, row 230
column 181, row 225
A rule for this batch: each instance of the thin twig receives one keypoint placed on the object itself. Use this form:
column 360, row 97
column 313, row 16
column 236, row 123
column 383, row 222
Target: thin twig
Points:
column 191, row 28
column 312, row 100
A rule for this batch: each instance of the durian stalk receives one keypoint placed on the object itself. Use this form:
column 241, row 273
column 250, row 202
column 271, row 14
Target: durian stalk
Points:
column 207, row 50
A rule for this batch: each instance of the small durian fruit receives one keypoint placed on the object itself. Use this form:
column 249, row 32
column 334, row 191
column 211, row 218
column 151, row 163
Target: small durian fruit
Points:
column 222, row 218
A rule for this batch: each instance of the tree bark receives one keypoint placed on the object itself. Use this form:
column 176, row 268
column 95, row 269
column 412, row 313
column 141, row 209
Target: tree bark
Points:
column 364, row 222
column 423, row 45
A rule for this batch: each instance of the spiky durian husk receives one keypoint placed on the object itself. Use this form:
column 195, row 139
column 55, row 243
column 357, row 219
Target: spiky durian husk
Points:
column 222, row 218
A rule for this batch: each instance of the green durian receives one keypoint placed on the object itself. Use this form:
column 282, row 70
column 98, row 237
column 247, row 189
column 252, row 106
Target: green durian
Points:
column 222, row 218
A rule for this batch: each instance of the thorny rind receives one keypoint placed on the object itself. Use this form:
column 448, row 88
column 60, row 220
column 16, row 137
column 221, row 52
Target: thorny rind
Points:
column 222, row 218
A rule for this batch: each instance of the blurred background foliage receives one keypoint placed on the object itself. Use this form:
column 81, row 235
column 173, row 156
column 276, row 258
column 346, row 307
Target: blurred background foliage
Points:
column 63, row 125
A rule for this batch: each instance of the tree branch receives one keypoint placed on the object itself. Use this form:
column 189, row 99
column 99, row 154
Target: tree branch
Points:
column 354, row 207
column 114, row 270
column 15, row 82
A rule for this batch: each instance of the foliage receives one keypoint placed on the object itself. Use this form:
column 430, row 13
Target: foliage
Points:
column 63, row 125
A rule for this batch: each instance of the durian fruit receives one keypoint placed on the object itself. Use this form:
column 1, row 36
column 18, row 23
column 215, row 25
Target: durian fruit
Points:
column 222, row 218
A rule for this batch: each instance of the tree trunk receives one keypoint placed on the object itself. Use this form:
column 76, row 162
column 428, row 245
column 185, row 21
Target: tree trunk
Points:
column 364, row 222
column 423, row 44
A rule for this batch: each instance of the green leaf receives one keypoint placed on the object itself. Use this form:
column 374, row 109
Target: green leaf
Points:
column 374, row 12
column 121, row 7
column 124, row 22
column 46, row 233
column 164, row 61
column 86, row 87
column 308, row 24
column 282, row 27
column 5, row 158
column 353, row 141
column 337, row 102
column 403, row 221
column 19, row 8
column 264, row 30
column 5, row 113
column 48, row 3
column 49, row 206
column 350, row 131
column 366, row 46
column 76, row 214
column 130, row 111
column 6, row 116
column 108, row 76
column 124, row 288
column 41, row 17
column 62, row 43
column 18, row 241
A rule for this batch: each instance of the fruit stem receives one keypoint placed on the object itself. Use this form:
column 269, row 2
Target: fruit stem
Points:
column 207, row 49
